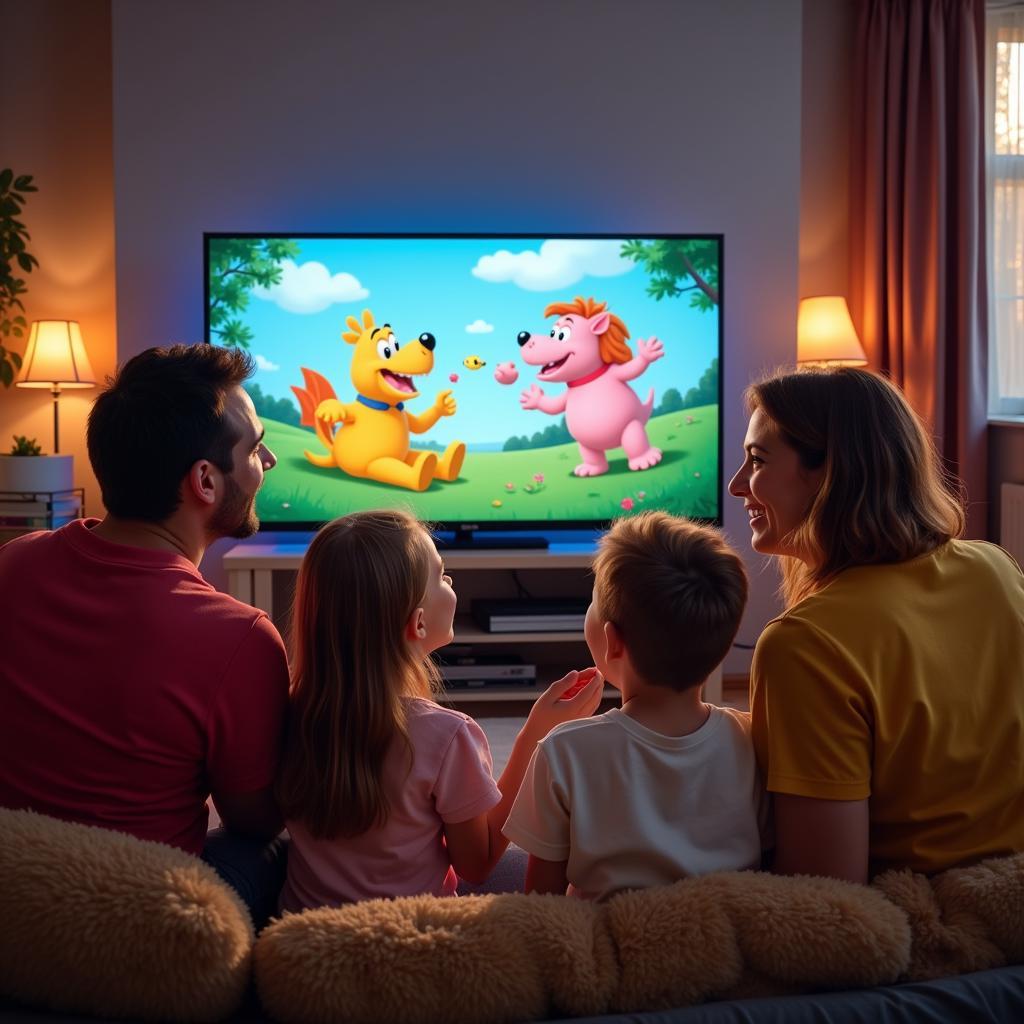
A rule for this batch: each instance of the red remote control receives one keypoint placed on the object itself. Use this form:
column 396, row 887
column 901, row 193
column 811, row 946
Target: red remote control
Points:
column 584, row 677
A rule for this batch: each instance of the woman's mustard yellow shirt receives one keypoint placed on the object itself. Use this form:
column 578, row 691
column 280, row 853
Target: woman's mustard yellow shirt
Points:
column 904, row 684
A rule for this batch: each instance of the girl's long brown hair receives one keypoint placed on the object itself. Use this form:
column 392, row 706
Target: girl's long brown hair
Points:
column 361, row 579
column 885, row 496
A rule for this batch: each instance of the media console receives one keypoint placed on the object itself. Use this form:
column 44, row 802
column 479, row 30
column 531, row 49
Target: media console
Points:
column 262, row 573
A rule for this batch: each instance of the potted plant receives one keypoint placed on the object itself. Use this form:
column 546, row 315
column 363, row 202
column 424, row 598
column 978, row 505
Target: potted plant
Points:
column 14, row 258
column 26, row 470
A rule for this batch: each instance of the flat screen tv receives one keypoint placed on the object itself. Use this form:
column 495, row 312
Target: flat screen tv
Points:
column 486, row 382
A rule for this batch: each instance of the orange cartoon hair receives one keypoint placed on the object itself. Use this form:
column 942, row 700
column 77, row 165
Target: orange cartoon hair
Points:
column 613, row 347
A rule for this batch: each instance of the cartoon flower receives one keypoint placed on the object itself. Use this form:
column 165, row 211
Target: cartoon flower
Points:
column 496, row 503
column 510, row 486
column 286, row 504
column 696, row 474
column 689, row 419
column 453, row 377
column 640, row 495
column 627, row 504
column 529, row 488
column 539, row 477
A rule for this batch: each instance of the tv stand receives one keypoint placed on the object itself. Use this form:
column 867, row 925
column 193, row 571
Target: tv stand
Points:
column 262, row 573
column 477, row 541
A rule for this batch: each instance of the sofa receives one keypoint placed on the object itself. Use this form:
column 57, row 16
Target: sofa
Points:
column 101, row 926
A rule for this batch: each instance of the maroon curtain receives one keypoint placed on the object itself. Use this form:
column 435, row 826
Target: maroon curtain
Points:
column 917, row 218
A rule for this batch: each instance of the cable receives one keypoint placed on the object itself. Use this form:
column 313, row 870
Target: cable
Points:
column 520, row 589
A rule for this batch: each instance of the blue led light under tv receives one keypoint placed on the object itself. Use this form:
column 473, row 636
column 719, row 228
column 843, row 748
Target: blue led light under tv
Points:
column 541, row 400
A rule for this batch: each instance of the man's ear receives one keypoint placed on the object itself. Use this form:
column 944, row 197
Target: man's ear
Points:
column 416, row 627
column 203, row 482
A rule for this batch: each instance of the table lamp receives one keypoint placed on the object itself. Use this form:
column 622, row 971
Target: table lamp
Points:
column 55, row 359
column 825, row 335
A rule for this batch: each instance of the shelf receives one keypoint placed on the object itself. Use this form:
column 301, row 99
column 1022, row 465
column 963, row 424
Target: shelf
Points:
column 468, row 632
column 493, row 694
column 284, row 555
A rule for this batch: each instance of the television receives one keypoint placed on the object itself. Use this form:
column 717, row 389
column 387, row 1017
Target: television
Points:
column 515, row 383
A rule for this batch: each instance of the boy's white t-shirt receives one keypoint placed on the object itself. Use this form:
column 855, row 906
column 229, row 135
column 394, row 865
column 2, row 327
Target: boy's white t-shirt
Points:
column 629, row 808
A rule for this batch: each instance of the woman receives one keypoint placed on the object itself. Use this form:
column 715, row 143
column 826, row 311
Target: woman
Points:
column 888, row 698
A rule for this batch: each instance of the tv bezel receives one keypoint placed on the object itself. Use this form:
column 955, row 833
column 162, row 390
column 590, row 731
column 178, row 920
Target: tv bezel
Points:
column 465, row 530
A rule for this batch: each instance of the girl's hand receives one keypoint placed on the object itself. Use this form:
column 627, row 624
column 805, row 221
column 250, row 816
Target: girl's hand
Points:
column 564, row 701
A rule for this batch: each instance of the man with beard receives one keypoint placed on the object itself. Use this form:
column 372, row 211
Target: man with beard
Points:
column 131, row 689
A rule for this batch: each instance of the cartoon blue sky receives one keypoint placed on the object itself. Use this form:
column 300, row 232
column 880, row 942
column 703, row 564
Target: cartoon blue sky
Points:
column 474, row 295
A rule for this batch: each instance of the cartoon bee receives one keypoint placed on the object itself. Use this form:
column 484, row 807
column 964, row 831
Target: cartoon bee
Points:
column 473, row 362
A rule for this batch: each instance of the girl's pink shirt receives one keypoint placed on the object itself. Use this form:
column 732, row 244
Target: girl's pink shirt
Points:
column 449, row 781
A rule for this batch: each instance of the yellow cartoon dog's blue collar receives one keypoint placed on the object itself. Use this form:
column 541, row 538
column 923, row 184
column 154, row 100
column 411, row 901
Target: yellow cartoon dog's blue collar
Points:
column 373, row 403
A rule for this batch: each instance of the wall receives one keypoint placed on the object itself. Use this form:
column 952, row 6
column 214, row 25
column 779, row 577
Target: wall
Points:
column 1005, row 465
column 55, row 124
column 826, row 73
column 591, row 115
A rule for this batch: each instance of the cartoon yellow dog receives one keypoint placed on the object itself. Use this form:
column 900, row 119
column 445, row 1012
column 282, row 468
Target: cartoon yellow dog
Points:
column 372, row 439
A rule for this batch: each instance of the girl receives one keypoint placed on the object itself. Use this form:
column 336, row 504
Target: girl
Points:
column 888, row 699
column 385, row 792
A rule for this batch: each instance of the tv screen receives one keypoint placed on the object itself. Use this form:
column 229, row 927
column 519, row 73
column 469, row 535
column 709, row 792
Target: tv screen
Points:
column 485, row 382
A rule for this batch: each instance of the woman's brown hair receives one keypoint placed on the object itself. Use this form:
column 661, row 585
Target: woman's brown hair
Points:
column 885, row 495
column 360, row 581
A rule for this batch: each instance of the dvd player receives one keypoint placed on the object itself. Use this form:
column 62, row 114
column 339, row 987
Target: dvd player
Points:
column 530, row 615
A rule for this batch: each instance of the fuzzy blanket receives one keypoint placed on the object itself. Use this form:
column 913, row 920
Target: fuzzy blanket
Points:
column 515, row 958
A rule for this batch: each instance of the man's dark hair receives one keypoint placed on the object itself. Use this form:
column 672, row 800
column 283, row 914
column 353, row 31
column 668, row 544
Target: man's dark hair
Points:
column 160, row 414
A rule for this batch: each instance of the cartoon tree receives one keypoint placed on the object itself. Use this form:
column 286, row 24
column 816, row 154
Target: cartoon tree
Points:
column 676, row 267
column 236, row 266
column 706, row 391
column 671, row 401
column 268, row 407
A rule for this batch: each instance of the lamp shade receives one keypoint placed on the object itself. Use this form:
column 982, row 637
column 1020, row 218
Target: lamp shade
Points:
column 55, row 356
column 825, row 333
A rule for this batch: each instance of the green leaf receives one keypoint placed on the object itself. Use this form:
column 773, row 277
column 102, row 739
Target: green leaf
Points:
column 5, row 178
column 18, row 332
column 25, row 262
column 21, row 321
column 16, row 359
column 6, row 374
column 23, row 183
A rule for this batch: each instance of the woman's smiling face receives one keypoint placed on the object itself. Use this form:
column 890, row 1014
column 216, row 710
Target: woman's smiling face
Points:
column 776, row 489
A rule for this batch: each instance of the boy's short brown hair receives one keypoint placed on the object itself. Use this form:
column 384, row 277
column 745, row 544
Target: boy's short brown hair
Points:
column 675, row 590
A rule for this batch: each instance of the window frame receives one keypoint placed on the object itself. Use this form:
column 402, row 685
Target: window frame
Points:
column 999, row 167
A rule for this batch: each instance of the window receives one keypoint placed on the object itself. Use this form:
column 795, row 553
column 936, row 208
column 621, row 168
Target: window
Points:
column 1005, row 158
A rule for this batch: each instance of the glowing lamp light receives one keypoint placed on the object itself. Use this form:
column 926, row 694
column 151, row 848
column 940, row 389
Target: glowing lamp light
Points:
column 825, row 335
column 55, row 358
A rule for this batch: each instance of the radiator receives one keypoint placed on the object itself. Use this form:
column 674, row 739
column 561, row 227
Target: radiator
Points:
column 1011, row 520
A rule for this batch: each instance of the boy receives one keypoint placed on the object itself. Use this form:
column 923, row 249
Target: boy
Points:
column 666, row 786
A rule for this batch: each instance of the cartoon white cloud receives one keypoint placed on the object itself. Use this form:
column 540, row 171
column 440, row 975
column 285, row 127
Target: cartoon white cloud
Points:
column 310, row 288
column 263, row 363
column 559, row 262
column 479, row 326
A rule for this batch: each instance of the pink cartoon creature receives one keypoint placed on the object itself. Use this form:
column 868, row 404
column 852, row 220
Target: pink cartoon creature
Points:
column 587, row 350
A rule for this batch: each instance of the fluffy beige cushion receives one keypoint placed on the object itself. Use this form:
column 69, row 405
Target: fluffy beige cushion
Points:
column 514, row 958
column 966, row 919
column 99, row 922
column 424, row 959
column 748, row 933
